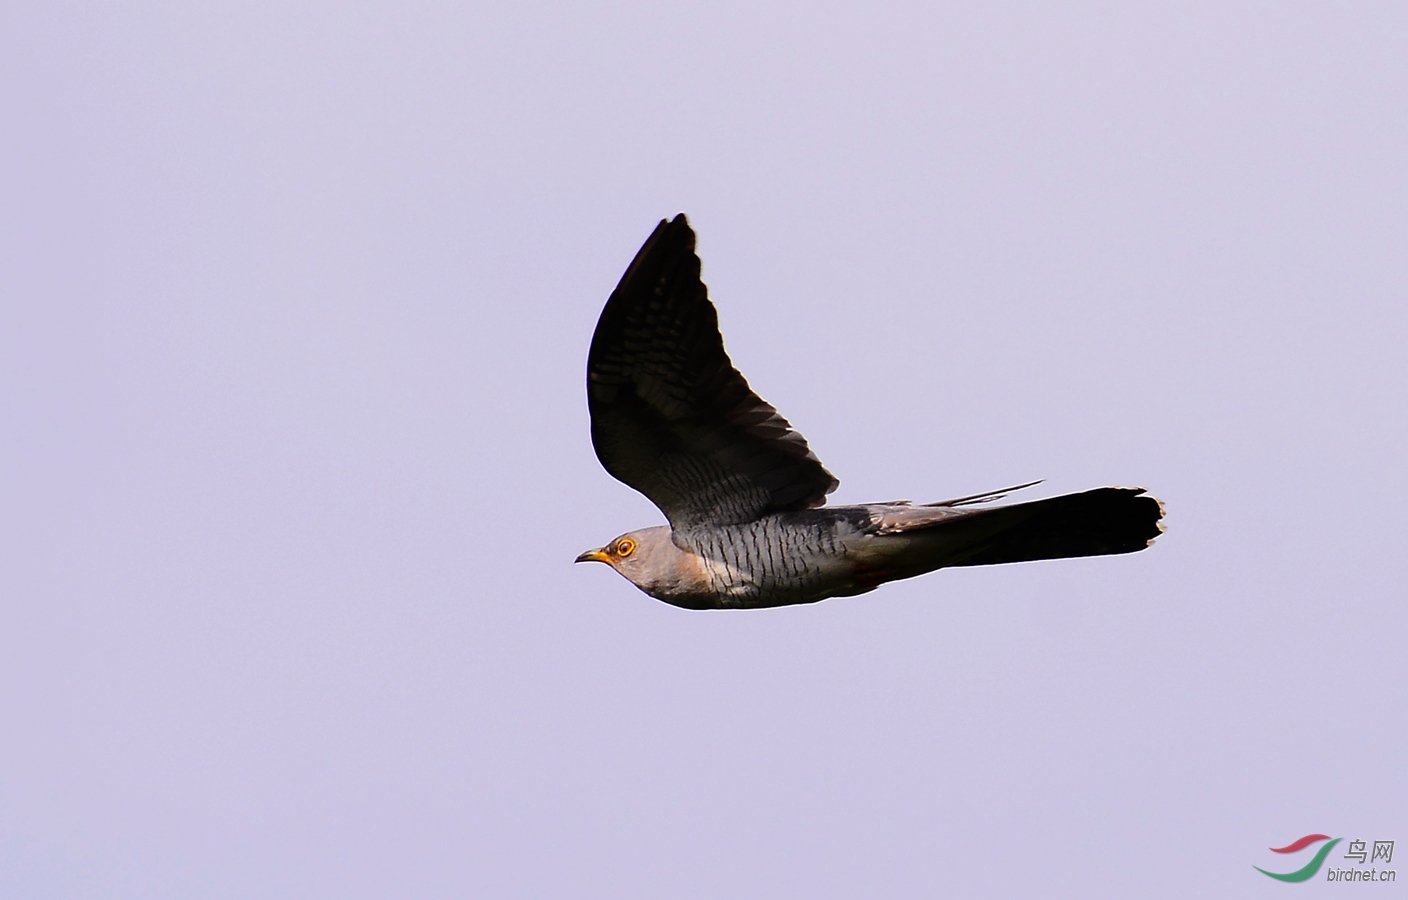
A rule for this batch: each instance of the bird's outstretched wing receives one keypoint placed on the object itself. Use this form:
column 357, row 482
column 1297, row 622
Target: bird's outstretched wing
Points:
column 672, row 417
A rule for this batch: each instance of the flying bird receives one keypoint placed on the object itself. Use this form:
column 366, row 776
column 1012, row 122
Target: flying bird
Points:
column 743, row 493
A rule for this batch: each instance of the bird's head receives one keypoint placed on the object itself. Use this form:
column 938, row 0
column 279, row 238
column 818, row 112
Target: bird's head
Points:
column 651, row 561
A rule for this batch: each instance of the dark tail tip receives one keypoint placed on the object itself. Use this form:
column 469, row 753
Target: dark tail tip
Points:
column 1092, row 523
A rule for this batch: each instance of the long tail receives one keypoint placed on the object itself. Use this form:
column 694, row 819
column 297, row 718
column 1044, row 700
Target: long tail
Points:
column 1091, row 523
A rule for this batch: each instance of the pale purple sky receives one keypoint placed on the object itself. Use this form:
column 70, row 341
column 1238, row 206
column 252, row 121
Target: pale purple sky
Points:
column 296, row 304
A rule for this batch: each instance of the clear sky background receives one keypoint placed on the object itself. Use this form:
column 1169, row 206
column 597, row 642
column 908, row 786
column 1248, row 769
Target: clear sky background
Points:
column 295, row 309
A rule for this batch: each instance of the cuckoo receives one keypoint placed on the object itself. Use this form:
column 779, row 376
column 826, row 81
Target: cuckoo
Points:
column 743, row 493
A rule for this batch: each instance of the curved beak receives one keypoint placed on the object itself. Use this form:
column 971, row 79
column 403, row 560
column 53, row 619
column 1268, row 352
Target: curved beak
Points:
column 593, row 556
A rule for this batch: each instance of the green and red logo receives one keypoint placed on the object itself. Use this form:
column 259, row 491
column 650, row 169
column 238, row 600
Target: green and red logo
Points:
column 1359, row 851
column 1307, row 871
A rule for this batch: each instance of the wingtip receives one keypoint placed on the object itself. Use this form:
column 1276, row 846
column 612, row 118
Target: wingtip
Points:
column 678, row 224
column 986, row 496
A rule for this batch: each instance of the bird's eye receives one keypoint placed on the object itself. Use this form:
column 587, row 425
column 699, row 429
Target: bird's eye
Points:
column 624, row 548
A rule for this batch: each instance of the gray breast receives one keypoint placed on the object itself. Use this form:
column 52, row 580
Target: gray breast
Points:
column 782, row 558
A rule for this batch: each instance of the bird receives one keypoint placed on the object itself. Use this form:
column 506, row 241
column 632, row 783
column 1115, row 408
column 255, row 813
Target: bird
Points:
column 743, row 493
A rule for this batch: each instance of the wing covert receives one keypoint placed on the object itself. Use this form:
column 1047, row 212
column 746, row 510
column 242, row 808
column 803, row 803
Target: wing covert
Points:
column 672, row 417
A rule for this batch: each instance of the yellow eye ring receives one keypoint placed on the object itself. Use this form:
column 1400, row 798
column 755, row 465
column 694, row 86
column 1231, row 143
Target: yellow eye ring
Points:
column 625, row 548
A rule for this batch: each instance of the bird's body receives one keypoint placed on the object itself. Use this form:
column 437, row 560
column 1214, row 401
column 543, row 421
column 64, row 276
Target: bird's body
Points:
column 743, row 492
column 810, row 555
column 780, row 559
